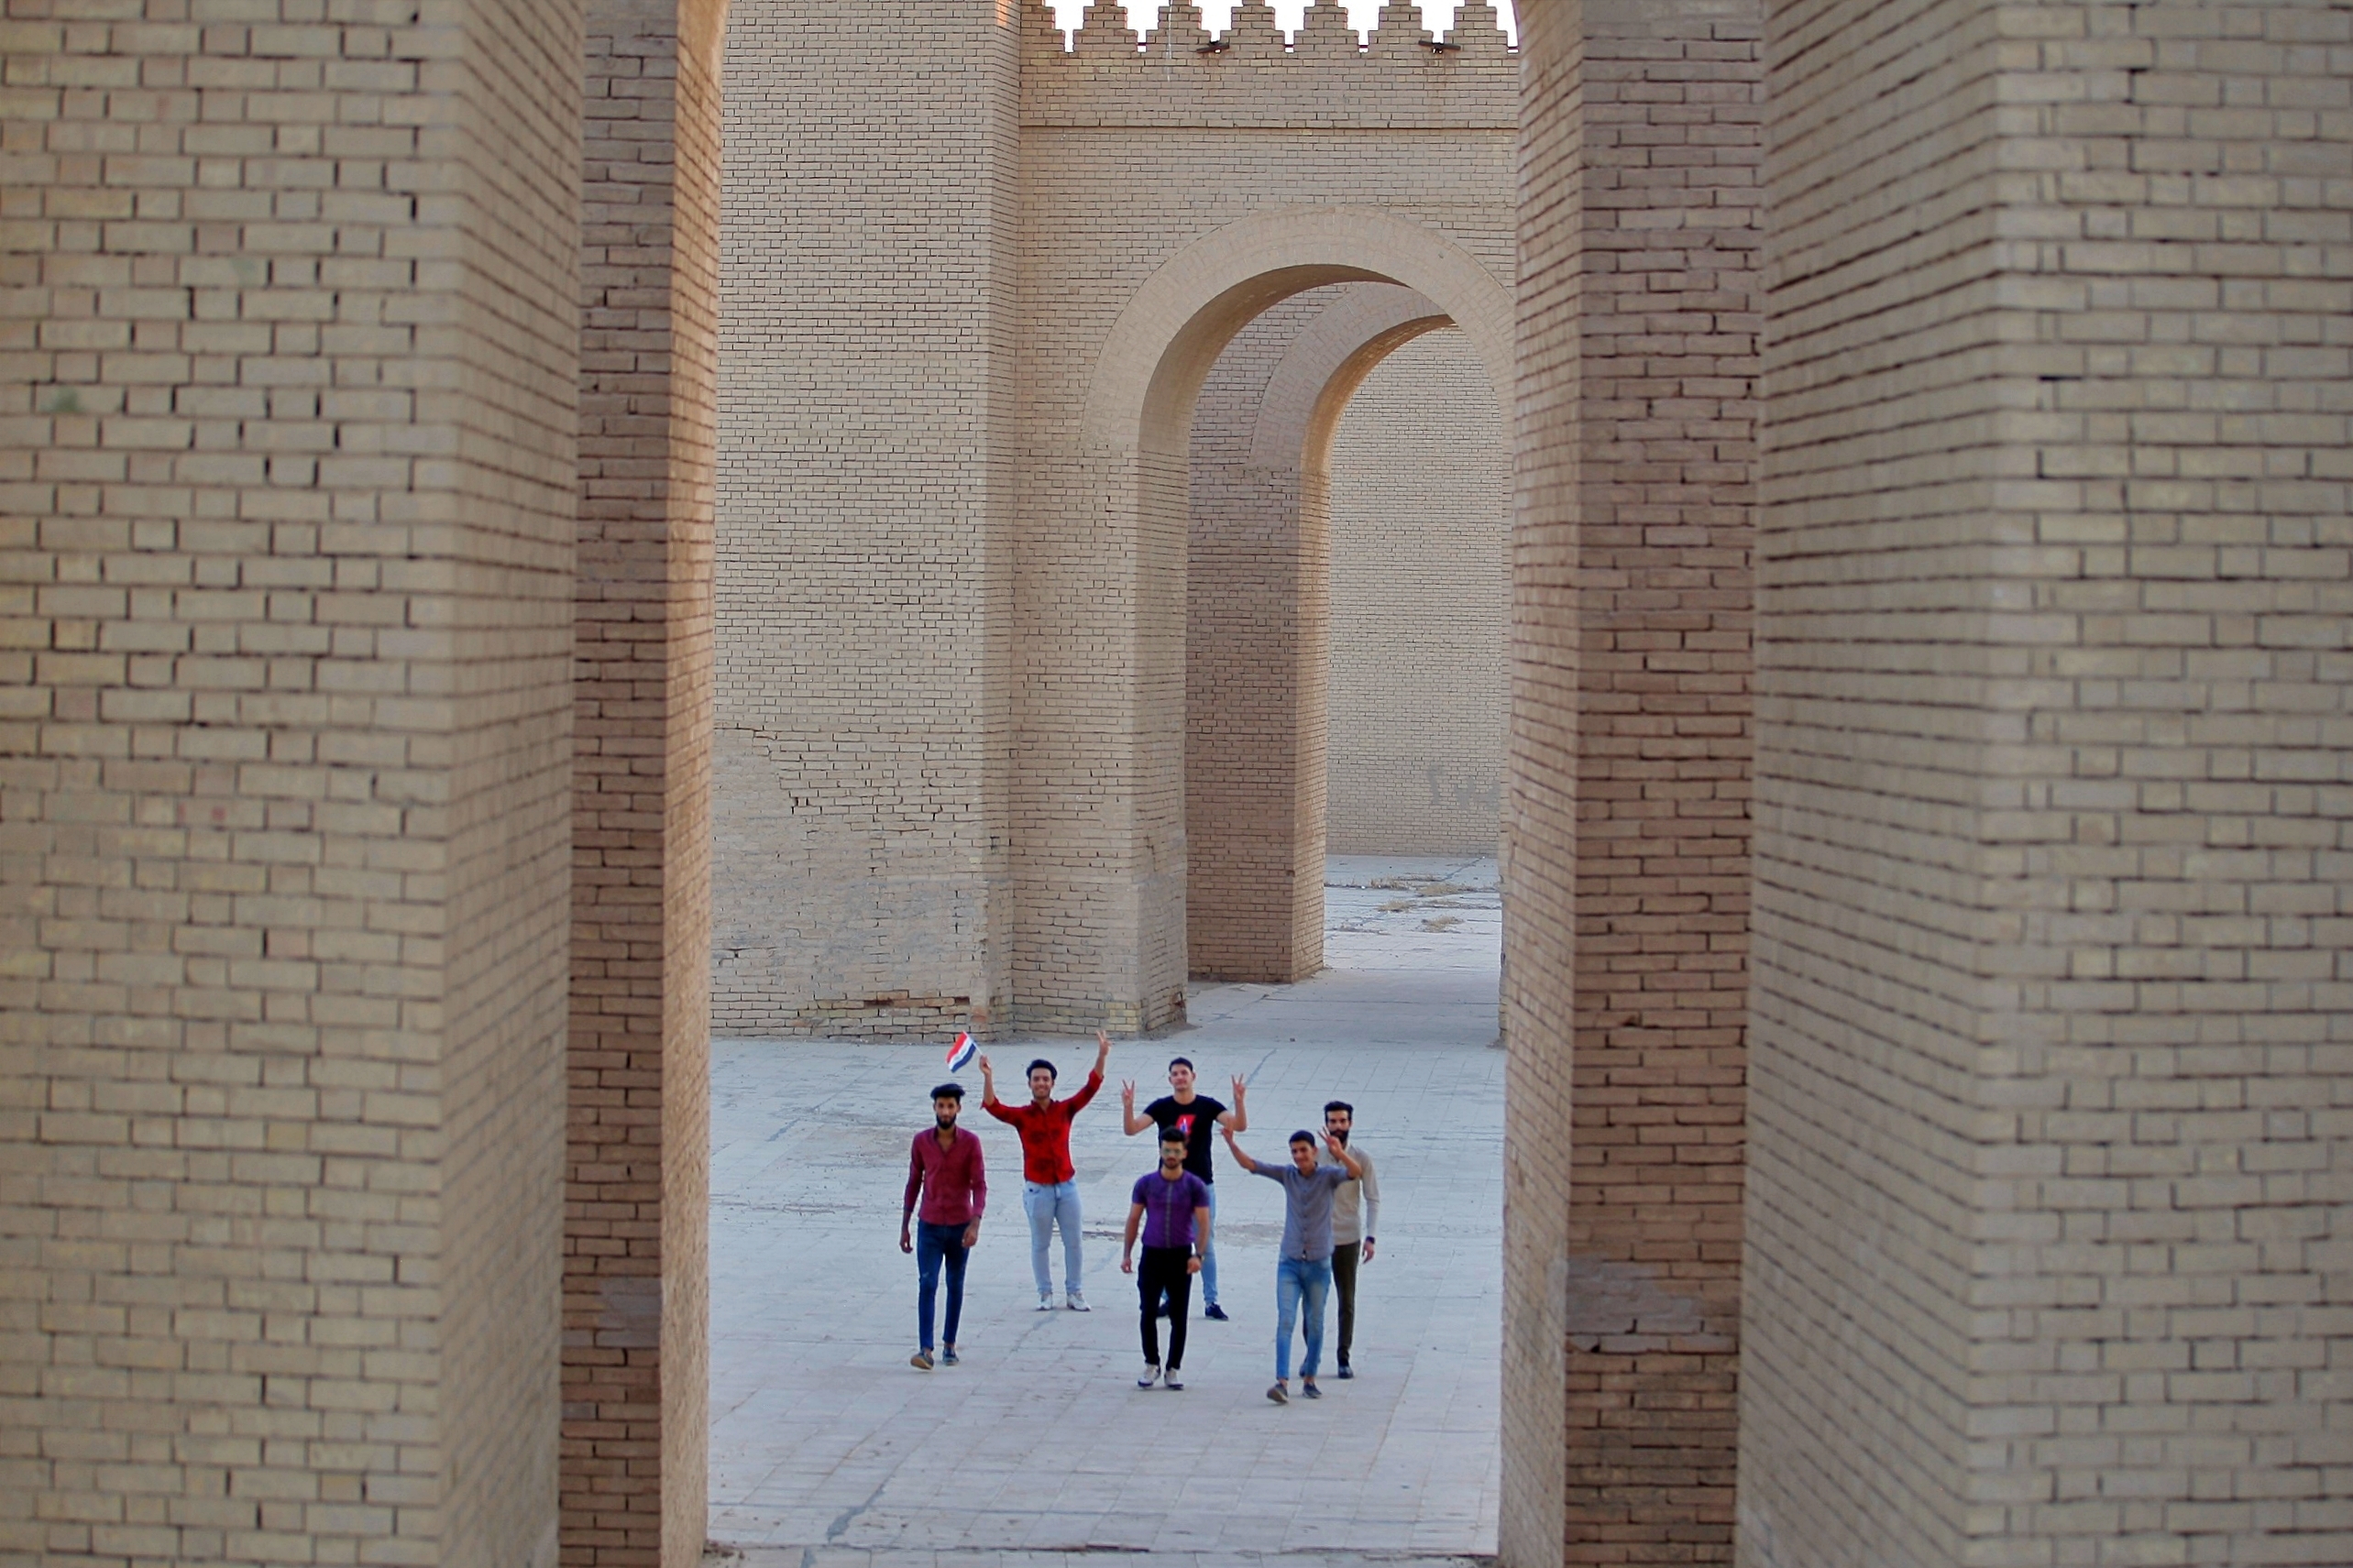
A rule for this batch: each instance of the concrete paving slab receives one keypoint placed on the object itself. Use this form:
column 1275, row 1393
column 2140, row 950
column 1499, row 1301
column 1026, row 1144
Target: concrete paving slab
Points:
column 827, row 1447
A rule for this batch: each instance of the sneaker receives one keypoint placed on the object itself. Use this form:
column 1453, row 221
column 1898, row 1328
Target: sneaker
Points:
column 920, row 1361
column 1278, row 1395
column 1046, row 1301
column 1346, row 1372
column 1309, row 1391
column 1172, row 1380
column 1149, row 1375
column 1077, row 1303
column 1214, row 1312
column 948, row 1355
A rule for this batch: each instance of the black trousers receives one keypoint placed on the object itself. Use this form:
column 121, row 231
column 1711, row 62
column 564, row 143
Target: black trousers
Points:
column 1343, row 1282
column 1162, row 1273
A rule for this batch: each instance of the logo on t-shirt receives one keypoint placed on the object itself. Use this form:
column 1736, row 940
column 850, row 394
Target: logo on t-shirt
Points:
column 1184, row 1123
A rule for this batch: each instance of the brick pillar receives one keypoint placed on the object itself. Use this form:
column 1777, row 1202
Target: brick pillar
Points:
column 1257, row 645
column 863, row 752
column 1639, row 322
column 285, row 705
column 635, row 1299
column 1669, row 229
column 2047, row 1221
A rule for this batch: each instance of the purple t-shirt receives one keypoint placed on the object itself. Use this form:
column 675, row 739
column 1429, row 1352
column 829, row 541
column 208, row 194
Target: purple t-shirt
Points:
column 1169, row 1206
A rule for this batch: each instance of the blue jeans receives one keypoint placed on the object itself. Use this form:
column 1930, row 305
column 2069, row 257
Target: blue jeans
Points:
column 936, row 1244
column 1045, row 1206
column 1298, row 1282
column 1209, row 1254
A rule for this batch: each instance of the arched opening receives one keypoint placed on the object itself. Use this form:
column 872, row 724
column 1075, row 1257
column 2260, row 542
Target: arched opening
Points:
column 1139, row 425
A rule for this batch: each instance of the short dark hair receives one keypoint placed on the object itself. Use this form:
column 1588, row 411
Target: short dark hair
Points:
column 1171, row 1135
column 1184, row 1062
column 1034, row 1066
column 949, row 1091
column 1303, row 1136
column 1332, row 1105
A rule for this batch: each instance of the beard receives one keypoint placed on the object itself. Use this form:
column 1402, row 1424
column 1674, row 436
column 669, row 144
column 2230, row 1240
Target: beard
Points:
column 944, row 1123
column 1341, row 1137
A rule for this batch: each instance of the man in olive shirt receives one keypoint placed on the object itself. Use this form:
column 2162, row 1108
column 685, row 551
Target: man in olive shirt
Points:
column 1356, row 1210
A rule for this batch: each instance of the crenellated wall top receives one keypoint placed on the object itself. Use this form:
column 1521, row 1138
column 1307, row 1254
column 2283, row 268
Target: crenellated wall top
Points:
column 1178, row 73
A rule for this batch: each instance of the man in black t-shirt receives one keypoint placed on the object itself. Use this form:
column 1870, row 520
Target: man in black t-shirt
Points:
column 1198, row 1117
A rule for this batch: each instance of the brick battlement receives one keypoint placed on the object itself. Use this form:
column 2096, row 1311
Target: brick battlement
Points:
column 1401, row 76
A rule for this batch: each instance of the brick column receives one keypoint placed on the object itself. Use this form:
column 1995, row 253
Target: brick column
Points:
column 2047, row 1217
column 636, row 1195
column 1642, row 213
column 284, row 740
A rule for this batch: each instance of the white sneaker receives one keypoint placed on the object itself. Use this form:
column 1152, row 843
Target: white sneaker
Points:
column 1149, row 1375
column 1045, row 1302
column 1173, row 1381
column 1077, row 1303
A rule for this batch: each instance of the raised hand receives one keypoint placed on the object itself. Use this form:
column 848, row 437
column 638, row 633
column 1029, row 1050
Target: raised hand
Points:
column 1239, row 1089
column 1128, row 1093
column 1102, row 1047
column 984, row 1066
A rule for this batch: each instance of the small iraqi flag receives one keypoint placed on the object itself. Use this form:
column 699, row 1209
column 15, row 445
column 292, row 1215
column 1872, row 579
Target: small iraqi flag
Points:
column 961, row 1054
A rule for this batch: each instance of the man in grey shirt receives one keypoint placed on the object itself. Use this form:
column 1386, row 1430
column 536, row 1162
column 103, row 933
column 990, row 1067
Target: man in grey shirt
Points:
column 1356, row 1210
column 1302, row 1273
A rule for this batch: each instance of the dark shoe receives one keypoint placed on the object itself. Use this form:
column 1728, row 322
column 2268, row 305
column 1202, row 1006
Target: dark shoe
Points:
column 948, row 1355
column 1277, row 1395
column 1213, row 1312
column 1309, row 1391
column 920, row 1361
column 1163, row 1313
column 1347, row 1372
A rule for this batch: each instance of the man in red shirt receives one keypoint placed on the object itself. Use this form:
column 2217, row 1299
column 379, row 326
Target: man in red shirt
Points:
column 1049, row 1190
column 945, row 1165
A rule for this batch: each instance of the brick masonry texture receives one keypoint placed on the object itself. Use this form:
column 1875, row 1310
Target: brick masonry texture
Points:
column 1637, row 546
column 1258, row 642
column 284, row 755
column 1421, row 476
column 951, row 713
column 2047, row 1203
column 637, row 1188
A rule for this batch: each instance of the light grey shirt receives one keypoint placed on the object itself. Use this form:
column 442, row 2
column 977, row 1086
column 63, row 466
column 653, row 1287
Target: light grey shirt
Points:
column 1306, row 1207
column 1356, row 1207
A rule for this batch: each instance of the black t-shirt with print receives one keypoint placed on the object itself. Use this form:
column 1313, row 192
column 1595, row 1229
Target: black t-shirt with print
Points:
column 1197, row 1121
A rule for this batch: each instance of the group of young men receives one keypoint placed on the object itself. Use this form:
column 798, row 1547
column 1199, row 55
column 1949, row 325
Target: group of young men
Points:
column 1331, row 1204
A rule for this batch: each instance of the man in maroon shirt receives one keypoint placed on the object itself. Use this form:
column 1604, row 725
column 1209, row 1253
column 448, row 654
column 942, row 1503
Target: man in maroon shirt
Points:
column 1050, row 1189
column 945, row 1165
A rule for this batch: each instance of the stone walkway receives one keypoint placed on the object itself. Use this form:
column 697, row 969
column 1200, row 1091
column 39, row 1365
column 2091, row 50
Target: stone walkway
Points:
column 829, row 1450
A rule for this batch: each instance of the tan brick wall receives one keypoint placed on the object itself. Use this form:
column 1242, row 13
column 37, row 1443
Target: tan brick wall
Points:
column 950, row 755
column 2046, row 1201
column 1420, row 475
column 636, row 1296
column 284, row 745
column 1256, row 638
column 1539, row 838
column 864, row 524
column 1632, row 593
column 1128, row 250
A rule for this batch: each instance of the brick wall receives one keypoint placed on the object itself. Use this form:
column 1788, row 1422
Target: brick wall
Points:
column 1632, row 710
column 1130, row 163
column 284, row 761
column 1421, row 476
column 2047, row 1186
column 863, row 526
column 636, row 1298
column 1256, row 640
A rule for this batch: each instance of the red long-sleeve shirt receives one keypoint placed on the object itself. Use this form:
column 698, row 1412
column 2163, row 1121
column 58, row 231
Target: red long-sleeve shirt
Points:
column 952, row 1181
column 1046, row 1130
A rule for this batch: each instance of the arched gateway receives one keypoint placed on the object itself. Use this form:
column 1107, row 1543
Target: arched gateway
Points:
column 970, row 291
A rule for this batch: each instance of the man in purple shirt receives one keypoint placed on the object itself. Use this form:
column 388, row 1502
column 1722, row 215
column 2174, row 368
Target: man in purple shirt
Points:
column 945, row 1165
column 1173, row 1205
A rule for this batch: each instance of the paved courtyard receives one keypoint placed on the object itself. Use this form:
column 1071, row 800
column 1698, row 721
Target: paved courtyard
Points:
column 828, row 1450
